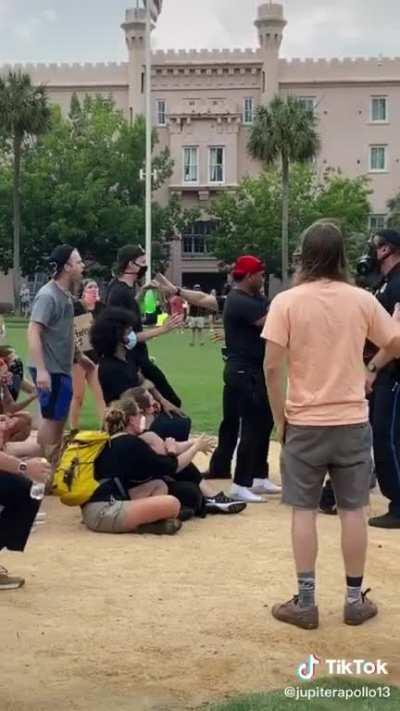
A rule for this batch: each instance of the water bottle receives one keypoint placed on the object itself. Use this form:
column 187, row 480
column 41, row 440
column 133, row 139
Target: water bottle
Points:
column 38, row 491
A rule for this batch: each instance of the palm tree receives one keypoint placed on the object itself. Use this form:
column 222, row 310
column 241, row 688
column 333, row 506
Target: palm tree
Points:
column 24, row 115
column 284, row 130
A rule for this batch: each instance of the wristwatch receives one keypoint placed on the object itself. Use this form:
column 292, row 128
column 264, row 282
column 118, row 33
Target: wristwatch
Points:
column 22, row 468
column 372, row 367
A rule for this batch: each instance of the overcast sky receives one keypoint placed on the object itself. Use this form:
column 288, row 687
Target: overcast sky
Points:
column 89, row 30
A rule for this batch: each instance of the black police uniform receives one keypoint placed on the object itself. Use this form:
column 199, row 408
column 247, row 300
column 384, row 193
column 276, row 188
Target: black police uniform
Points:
column 385, row 407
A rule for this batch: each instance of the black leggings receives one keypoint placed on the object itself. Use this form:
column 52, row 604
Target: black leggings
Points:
column 17, row 511
column 186, row 487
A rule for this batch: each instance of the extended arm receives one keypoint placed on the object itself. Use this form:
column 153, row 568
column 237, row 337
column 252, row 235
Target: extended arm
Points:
column 195, row 298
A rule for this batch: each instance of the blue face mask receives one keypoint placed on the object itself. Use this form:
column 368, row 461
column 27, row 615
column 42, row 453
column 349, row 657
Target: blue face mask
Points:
column 130, row 341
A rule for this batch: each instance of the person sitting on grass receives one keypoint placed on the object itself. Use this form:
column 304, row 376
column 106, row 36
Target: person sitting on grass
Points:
column 157, row 421
column 185, row 452
column 128, row 502
column 18, row 382
column 18, row 509
column 19, row 423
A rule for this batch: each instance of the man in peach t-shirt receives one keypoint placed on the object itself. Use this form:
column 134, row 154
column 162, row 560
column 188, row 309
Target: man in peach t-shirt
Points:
column 316, row 333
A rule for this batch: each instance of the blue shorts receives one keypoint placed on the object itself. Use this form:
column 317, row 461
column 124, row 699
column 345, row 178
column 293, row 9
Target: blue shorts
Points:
column 54, row 405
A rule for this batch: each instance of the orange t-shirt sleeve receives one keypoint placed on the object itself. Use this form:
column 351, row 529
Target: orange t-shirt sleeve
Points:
column 383, row 330
column 276, row 328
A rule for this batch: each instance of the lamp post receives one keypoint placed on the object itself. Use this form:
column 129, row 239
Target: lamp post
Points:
column 148, row 138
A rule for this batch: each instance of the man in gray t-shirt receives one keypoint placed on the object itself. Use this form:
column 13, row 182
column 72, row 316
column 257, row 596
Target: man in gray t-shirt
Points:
column 53, row 309
column 51, row 343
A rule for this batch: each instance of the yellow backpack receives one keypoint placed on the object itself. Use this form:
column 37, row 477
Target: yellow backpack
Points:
column 74, row 481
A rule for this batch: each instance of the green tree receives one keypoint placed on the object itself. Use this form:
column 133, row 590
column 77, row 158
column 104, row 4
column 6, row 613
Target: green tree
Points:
column 393, row 220
column 24, row 115
column 82, row 185
column 250, row 219
column 284, row 131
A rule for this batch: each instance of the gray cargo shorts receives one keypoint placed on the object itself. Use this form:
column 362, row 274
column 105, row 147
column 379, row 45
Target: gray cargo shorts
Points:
column 343, row 452
column 105, row 516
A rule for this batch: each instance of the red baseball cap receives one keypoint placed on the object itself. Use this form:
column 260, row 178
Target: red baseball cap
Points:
column 248, row 265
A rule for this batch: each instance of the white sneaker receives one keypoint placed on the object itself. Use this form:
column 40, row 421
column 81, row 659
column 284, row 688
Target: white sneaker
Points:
column 265, row 486
column 242, row 493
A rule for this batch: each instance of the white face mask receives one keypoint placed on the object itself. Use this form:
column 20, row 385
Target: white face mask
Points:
column 131, row 341
column 142, row 423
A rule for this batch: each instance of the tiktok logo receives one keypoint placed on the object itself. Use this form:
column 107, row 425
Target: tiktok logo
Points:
column 306, row 670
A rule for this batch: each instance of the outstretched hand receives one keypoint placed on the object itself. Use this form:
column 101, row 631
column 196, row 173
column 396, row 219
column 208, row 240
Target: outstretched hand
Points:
column 172, row 323
column 205, row 444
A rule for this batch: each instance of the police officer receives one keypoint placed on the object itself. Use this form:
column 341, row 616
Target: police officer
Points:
column 384, row 376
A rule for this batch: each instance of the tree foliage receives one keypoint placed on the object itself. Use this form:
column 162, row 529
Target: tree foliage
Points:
column 81, row 184
column 250, row 219
column 284, row 131
column 24, row 115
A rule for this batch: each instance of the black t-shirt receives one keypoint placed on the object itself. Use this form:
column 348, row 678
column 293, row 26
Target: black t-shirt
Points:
column 116, row 376
column 133, row 462
column 388, row 294
column 123, row 296
column 16, row 369
column 244, row 345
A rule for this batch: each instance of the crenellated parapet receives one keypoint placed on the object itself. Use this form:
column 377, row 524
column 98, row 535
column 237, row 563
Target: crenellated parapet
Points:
column 206, row 56
column 100, row 74
column 346, row 69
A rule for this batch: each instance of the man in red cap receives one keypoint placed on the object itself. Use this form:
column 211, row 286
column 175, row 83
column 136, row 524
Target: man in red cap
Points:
column 244, row 317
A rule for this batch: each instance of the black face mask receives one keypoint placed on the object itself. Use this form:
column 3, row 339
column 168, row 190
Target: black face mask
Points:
column 142, row 272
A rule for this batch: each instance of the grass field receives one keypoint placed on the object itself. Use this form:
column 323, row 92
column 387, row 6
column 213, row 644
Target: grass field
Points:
column 195, row 373
column 382, row 696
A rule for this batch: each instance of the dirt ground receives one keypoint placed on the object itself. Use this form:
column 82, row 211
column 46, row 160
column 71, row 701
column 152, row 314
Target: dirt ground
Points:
column 130, row 623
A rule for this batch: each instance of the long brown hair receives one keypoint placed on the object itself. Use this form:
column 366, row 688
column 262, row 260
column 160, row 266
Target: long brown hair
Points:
column 117, row 416
column 322, row 254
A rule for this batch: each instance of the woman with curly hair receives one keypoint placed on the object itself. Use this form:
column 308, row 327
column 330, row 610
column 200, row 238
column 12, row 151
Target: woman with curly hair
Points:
column 112, row 337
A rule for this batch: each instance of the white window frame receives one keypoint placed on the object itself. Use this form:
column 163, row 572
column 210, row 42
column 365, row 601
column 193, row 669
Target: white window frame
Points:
column 385, row 169
column 196, row 149
column 161, row 113
column 247, row 111
column 371, row 109
column 217, row 182
column 373, row 216
column 305, row 99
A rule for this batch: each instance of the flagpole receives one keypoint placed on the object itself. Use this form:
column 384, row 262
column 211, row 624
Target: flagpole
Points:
column 148, row 113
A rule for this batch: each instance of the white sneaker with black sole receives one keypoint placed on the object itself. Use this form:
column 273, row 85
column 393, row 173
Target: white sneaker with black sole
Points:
column 265, row 486
column 222, row 504
column 242, row 493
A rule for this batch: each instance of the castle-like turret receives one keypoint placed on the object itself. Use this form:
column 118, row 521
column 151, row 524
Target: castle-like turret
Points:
column 270, row 24
column 135, row 34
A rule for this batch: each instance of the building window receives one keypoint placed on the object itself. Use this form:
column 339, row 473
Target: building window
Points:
column 378, row 161
column 376, row 223
column 379, row 109
column 217, row 165
column 190, row 164
column 308, row 102
column 161, row 113
column 195, row 239
column 248, row 110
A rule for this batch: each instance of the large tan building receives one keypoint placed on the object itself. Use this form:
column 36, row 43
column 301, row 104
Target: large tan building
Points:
column 204, row 104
